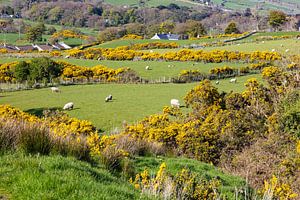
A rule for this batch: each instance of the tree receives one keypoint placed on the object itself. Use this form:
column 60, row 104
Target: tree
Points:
column 276, row 18
column 22, row 71
column 35, row 33
column 231, row 28
column 43, row 68
column 166, row 27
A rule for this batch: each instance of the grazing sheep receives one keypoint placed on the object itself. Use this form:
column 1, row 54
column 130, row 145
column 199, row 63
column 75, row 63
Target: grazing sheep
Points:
column 175, row 103
column 287, row 50
column 147, row 67
column 238, row 44
column 217, row 82
column 233, row 80
column 55, row 89
column 69, row 106
column 108, row 98
column 263, row 42
column 67, row 56
column 273, row 50
column 281, row 45
column 151, row 51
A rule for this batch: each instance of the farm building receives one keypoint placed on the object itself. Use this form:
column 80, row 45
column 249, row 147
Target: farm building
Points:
column 163, row 36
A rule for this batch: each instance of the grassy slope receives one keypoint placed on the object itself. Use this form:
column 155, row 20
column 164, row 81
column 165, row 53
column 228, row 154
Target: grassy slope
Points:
column 229, row 183
column 288, row 6
column 159, row 69
column 56, row 177
column 13, row 39
column 131, row 102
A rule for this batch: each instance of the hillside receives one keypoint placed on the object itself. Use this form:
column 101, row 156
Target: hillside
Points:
column 57, row 177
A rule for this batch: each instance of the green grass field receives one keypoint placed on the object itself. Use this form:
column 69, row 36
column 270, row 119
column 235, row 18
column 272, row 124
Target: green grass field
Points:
column 288, row 6
column 15, row 39
column 131, row 102
column 159, row 69
column 291, row 44
column 57, row 177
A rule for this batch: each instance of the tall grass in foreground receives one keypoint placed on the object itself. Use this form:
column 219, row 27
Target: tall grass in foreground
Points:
column 36, row 138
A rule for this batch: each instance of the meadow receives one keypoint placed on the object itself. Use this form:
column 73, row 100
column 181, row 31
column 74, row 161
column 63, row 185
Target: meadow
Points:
column 57, row 177
column 131, row 102
column 159, row 70
column 16, row 39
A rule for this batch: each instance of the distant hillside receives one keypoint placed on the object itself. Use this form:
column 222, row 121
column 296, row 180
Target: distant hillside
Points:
column 288, row 6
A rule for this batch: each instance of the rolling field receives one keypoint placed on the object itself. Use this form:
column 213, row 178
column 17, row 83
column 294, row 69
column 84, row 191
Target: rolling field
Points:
column 288, row 6
column 159, row 69
column 291, row 44
column 131, row 102
column 13, row 39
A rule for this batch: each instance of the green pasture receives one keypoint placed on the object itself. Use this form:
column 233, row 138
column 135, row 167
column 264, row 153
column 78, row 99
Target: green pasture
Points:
column 291, row 44
column 280, row 46
column 288, row 6
column 85, row 30
column 16, row 39
column 158, row 69
column 131, row 102
column 57, row 177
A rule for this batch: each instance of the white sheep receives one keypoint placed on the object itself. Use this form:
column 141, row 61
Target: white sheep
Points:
column 273, row 50
column 175, row 103
column 287, row 50
column 69, row 106
column 233, row 80
column 263, row 42
column 217, row 82
column 147, row 67
column 108, row 98
column 281, row 45
column 55, row 89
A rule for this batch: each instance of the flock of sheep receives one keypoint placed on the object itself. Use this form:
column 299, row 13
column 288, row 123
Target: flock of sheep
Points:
column 174, row 102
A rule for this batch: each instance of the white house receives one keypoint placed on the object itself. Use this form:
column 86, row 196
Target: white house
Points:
column 168, row 36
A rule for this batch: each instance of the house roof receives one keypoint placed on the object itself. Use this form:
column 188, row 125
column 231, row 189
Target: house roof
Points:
column 168, row 36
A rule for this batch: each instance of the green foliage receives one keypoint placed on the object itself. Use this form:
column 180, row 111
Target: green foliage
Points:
column 22, row 71
column 231, row 28
column 289, row 110
column 43, row 68
column 35, row 33
column 276, row 18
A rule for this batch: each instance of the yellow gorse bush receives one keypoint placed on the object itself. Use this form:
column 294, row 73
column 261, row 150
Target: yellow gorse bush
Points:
column 215, row 56
column 184, row 185
column 68, row 34
column 6, row 72
column 132, row 36
column 274, row 189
